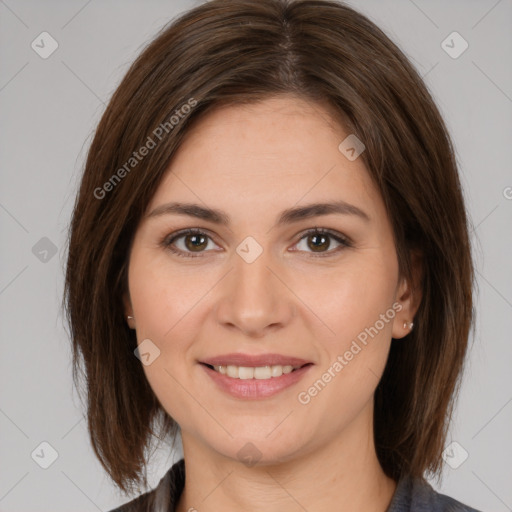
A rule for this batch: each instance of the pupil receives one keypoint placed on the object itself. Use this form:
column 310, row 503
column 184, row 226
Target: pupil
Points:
column 194, row 239
column 324, row 238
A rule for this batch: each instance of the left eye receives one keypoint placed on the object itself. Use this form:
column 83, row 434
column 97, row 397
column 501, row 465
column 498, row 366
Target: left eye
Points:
column 320, row 239
column 196, row 241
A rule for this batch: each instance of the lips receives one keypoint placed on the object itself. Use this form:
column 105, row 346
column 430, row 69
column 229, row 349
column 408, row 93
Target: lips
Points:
column 254, row 360
column 255, row 389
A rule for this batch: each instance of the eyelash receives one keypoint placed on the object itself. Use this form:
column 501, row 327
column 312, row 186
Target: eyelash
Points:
column 344, row 241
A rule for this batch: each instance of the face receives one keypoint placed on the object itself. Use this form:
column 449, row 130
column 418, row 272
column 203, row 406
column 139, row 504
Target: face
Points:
column 263, row 282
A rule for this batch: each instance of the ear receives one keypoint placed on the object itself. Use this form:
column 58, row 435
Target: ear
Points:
column 409, row 295
column 128, row 310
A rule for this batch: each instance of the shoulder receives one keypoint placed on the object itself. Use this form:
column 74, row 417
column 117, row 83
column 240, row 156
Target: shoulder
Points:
column 417, row 495
column 139, row 504
column 164, row 497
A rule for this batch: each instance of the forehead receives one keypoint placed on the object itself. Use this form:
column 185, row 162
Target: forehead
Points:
column 277, row 151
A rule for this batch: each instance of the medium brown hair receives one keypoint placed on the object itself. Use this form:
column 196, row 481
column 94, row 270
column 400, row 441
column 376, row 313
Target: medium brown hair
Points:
column 242, row 51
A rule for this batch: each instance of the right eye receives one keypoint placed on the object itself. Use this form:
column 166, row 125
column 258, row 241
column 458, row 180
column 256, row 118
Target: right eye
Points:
column 192, row 239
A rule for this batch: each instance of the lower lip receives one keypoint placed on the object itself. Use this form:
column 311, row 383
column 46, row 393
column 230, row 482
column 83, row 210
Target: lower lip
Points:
column 254, row 389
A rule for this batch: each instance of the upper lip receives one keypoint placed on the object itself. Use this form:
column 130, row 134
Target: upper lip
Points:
column 254, row 360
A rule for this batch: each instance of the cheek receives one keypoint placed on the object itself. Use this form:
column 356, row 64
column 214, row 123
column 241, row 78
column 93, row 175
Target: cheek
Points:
column 162, row 305
column 356, row 303
column 162, row 295
column 353, row 297
column 361, row 315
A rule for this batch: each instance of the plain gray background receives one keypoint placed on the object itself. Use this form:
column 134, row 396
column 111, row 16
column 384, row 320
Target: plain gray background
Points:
column 49, row 109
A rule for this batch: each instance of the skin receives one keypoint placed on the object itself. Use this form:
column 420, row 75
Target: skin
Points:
column 254, row 161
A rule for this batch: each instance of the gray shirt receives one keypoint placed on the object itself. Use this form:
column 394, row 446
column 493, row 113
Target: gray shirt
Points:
column 411, row 495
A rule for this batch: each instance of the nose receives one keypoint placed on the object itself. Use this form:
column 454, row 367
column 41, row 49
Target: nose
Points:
column 254, row 298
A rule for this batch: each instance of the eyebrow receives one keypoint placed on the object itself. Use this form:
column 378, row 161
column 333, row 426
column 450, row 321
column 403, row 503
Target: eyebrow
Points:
column 288, row 216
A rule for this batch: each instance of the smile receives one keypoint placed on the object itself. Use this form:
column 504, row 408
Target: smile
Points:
column 259, row 372
column 254, row 383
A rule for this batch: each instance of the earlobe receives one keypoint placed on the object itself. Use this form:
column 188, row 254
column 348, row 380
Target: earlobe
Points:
column 128, row 311
column 400, row 330
column 131, row 321
column 409, row 295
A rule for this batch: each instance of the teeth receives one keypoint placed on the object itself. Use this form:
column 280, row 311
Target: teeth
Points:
column 259, row 372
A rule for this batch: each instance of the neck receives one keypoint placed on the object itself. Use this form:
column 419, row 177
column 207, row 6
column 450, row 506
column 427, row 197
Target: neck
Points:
column 343, row 474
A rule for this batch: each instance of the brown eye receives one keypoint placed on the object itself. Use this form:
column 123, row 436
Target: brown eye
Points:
column 193, row 242
column 188, row 242
column 319, row 241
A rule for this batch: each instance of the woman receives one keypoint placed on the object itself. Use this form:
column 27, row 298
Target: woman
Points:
column 269, row 255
